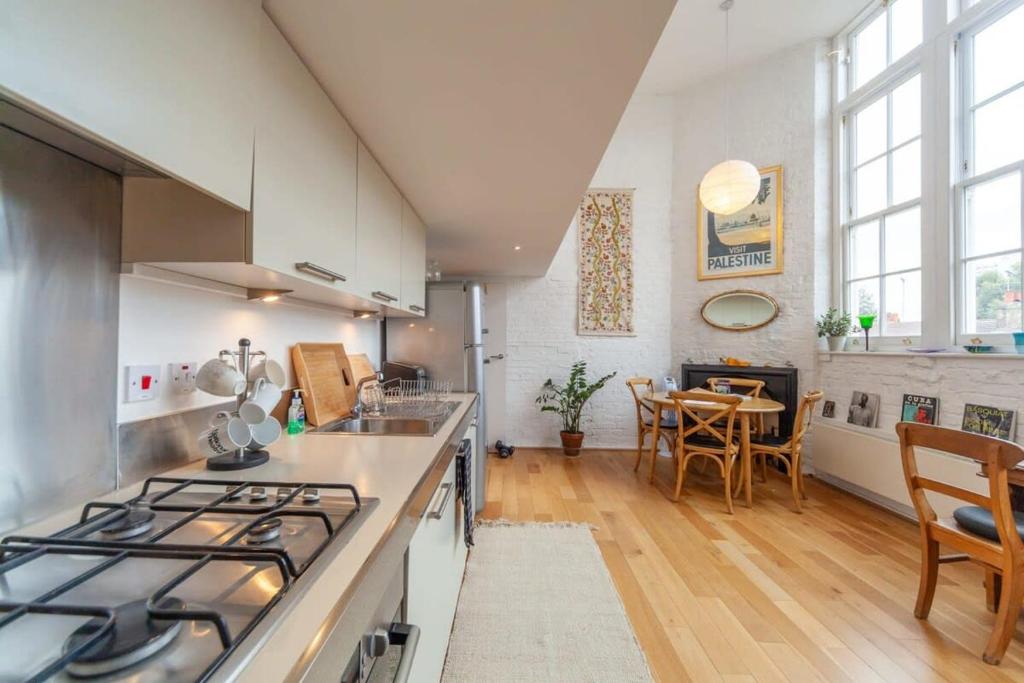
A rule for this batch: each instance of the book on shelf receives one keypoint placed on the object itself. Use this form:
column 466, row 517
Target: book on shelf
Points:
column 921, row 409
column 997, row 422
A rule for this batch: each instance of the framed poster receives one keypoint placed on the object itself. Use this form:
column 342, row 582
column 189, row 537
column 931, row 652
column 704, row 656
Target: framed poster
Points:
column 748, row 242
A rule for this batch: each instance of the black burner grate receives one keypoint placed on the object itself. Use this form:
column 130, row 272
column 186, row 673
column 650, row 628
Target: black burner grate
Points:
column 16, row 551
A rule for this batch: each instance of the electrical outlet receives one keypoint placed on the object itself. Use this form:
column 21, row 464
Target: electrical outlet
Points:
column 181, row 377
column 143, row 383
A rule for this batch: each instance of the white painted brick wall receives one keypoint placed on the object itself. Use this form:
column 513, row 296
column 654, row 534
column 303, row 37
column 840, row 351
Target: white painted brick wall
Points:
column 662, row 147
column 789, row 125
column 777, row 118
column 956, row 381
column 542, row 340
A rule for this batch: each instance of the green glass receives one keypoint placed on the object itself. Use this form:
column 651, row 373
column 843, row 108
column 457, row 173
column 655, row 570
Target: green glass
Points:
column 866, row 322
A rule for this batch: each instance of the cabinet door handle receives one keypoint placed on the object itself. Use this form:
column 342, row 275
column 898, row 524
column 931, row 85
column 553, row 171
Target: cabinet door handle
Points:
column 438, row 512
column 319, row 271
column 384, row 296
column 418, row 309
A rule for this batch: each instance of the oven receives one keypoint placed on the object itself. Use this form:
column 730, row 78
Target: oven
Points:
column 386, row 649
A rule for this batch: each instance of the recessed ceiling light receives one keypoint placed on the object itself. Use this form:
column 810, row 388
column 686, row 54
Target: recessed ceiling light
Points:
column 517, row 247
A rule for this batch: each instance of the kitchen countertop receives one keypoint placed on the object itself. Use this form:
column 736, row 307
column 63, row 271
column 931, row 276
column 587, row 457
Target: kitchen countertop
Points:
column 386, row 467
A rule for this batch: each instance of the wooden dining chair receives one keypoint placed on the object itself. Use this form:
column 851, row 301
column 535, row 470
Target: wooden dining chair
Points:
column 987, row 531
column 746, row 387
column 706, row 423
column 639, row 387
column 787, row 449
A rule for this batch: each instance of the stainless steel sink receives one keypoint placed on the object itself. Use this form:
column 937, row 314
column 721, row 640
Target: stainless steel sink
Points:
column 390, row 425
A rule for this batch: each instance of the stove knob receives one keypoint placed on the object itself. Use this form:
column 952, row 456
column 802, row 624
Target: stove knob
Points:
column 377, row 643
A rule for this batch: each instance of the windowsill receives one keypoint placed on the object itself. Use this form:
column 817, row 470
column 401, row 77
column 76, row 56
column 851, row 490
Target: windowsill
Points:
column 1000, row 355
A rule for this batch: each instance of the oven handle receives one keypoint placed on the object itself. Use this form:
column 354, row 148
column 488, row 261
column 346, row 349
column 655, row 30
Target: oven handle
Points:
column 408, row 636
column 438, row 512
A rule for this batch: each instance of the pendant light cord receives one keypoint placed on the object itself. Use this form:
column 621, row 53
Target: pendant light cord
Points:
column 726, row 6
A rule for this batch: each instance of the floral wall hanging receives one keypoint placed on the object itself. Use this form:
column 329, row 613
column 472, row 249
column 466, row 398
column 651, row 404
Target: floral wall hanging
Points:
column 605, row 221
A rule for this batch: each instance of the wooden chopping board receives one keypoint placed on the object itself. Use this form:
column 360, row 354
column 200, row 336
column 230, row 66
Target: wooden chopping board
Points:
column 325, row 377
column 361, row 366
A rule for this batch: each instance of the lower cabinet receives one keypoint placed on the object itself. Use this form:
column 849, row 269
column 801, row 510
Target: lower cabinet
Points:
column 437, row 561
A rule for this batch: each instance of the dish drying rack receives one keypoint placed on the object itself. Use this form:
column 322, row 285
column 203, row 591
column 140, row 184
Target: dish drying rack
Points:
column 417, row 398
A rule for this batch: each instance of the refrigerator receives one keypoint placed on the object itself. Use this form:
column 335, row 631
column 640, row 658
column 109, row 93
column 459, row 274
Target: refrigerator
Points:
column 448, row 343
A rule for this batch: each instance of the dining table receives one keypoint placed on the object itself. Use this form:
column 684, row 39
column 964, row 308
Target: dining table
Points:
column 750, row 408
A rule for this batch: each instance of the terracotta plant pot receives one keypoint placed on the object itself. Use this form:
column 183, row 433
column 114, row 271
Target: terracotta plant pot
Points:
column 571, row 442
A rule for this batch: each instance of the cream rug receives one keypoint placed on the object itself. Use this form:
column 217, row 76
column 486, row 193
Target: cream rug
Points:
column 538, row 604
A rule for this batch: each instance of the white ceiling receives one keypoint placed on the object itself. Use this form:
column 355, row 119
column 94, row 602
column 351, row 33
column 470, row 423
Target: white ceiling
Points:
column 692, row 47
column 490, row 115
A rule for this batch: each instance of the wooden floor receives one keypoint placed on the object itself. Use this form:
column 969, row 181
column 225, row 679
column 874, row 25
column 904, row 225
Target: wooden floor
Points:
column 766, row 594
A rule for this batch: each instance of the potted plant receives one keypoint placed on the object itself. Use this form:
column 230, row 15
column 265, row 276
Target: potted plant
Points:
column 835, row 326
column 568, row 401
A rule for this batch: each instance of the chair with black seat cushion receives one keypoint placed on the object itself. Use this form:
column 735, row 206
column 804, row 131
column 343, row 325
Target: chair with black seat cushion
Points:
column 640, row 387
column 980, row 521
column 987, row 531
column 788, row 449
column 706, row 424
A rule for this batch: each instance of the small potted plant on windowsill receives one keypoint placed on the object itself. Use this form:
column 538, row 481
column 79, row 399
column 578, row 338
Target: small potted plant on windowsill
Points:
column 568, row 401
column 835, row 327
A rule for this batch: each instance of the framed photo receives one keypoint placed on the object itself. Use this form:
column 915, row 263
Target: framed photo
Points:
column 748, row 242
column 864, row 409
column 828, row 409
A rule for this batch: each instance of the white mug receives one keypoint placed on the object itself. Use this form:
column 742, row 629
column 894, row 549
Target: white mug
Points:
column 263, row 399
column 270, row 370
column 221, row 417
column 220, row 378
column 225, row 438
column 265, row 433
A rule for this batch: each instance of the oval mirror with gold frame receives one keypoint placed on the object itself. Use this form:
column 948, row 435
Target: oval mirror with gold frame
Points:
column 739, row 310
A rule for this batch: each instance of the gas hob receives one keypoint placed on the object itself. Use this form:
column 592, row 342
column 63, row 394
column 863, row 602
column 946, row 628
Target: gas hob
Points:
column 170, row 584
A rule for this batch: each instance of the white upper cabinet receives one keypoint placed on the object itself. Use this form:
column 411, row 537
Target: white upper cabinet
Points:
column 414, row 260
column 378, row 233
column 168, row 82
column 304, row 176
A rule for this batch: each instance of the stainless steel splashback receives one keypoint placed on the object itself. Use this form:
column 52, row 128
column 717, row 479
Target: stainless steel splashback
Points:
column 146, row 448
column 60, row 233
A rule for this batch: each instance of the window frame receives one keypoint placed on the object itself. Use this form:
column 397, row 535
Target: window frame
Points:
column 939, row 62
column 884, row 90
column 861, row 23
column 965, row 177
column 848, row 102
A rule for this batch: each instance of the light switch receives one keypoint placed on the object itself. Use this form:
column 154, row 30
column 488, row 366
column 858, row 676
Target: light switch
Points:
column 142, row 383
column 181, row 377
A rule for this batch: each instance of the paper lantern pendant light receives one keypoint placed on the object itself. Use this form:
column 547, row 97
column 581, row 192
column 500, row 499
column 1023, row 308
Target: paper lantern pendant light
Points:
column 730, row 186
